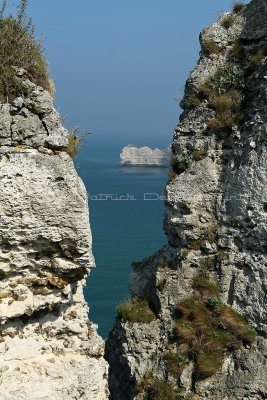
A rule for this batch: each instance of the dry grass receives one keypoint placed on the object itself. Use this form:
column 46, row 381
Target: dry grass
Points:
column 237, row 51
column 224, row 102
column 199, row 154
column 236, row 324
column 194, row 101
column 204, row 286
column 207, row 364
column 228, row 21
column 256, row 59
column 136, row 310
column 75, row 140
column 205, row 90
column 228, row 108
column 73, row 144
column 211, row 47
column 207, row 328
column 224, row 122
column 176, row 363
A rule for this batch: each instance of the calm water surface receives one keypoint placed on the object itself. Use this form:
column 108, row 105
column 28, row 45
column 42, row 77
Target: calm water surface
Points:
column 124, row 230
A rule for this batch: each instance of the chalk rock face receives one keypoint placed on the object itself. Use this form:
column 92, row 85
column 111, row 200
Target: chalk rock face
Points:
column 144, row 156
column 215, row 222
column 48, row 347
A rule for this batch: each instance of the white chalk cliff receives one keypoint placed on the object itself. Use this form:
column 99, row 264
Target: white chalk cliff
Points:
column 207, row 286
column 49, row 350
column 145, row 156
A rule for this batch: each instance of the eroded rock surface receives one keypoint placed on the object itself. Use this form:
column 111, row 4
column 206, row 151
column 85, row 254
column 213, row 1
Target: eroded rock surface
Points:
column 48, row 347
column 215, row 219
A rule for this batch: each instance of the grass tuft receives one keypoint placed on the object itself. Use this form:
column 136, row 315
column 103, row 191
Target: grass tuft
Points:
column 208, row 364
column 136, row 310
column 228, row 21
column 237, row 51
column 207, row 329
column 237, row 7
column 203, row 285
column 211, row 47
column 19, row 48
column 75, row 140
column 176, row 363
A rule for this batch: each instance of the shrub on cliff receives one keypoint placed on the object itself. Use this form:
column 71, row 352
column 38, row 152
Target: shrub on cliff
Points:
column 19, row 48
column 238, row 6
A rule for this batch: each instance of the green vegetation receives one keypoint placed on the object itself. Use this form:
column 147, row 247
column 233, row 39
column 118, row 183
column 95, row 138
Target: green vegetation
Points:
column 75, row 140
column 156, row 389
column 238, row 6
column 176, row 363
column 204, row 286
column 180, row 163
column 18, row 48
column 207, row 329
column 211, row 47
column 225, row 94
column 73, row 145
column 231, row 77
column 136, row 310
column 183, row 161
column 228, row 21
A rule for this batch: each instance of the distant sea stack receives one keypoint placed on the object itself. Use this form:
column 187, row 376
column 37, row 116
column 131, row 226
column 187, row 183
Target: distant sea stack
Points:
column 133, row 156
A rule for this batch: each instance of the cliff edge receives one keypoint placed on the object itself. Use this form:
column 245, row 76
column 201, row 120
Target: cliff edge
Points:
column 48, row 347
column 195, row 327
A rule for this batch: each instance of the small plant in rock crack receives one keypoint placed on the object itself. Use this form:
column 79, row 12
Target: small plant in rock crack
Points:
column 228, row 20
column 231, row 77
column 181, row 162
column 75, row 140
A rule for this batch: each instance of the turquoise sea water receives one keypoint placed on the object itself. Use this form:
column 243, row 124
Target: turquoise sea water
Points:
column 124, row 229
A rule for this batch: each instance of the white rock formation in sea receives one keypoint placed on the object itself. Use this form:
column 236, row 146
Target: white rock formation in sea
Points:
column 207, row 287
column 49, row 350
column 145, row 156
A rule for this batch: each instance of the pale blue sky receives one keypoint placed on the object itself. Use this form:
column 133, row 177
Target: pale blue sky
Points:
column 118, row 63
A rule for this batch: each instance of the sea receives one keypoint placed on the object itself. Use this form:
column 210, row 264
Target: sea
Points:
column 126, row 206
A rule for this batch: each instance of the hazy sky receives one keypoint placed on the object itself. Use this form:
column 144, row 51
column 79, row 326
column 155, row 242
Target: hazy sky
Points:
column 118, row 63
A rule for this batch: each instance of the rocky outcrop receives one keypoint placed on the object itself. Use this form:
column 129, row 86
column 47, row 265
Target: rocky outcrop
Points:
column 216, row 226
column 48, row 347
column 144, row 156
